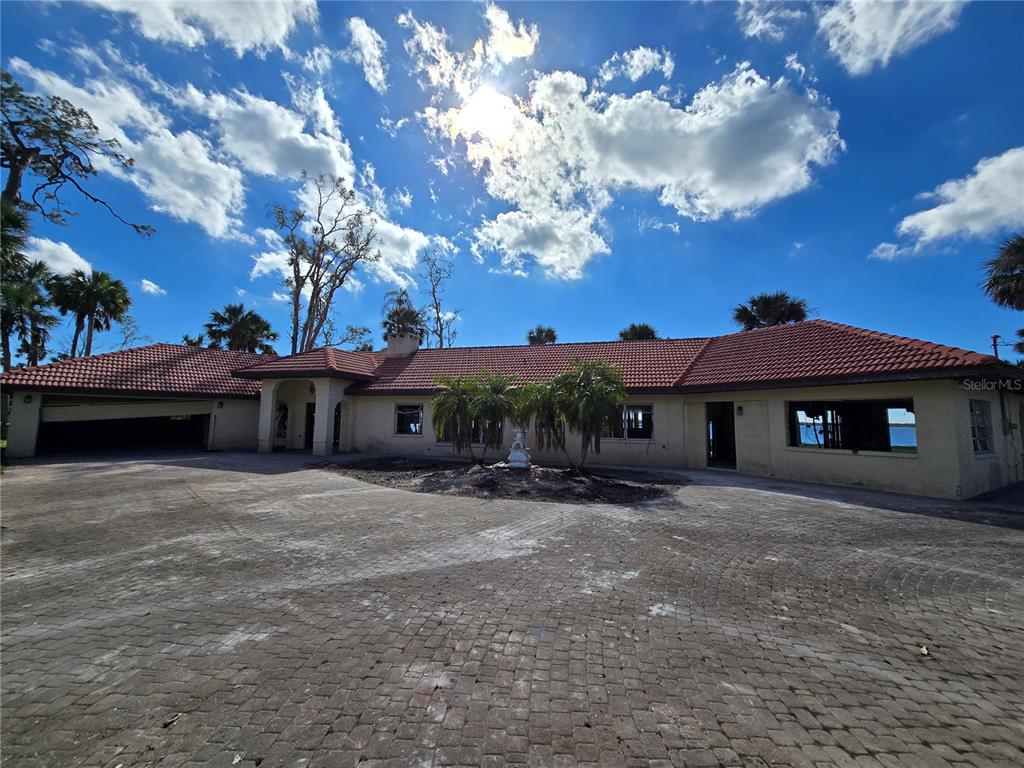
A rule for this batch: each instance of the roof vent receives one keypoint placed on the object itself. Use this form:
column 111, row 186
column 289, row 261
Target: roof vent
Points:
column 401, row 344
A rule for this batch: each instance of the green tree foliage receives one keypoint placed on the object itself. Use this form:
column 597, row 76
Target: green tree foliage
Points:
column 544, row 402
column 495, row 401
column 56, row 143
column 541, row 334
column 1004, row 274
column 401, row 316
column 637, row 332
column 767, row 309
column 13, row 237
column 96, row 300
column 239, row 330
column 24, row 311
column 453, row 410
column 592, row 394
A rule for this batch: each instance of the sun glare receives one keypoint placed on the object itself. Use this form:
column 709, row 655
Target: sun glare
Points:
column 487, row 114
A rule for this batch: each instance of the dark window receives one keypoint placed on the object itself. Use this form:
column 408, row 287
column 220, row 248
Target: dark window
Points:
column 636, row 422
column 854, row 425
column 408, row 419
column 981, row 426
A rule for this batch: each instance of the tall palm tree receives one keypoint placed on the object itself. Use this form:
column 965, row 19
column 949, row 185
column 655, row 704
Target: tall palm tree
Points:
column 14, row 230
column 105, row 301
column 1004, row 273
column 541, row 334
column 67, row 292
column 24, row 311
column 453, row 410
column 240, row 330
column 767, row 309
column 593, row 393
column 637, row 332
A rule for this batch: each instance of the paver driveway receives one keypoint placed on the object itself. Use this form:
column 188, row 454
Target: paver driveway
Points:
column 244, row 610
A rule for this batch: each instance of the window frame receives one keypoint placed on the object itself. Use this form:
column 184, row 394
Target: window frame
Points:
column 624, row 424
column 985, row 424
column 417, row 406
column 843, row 433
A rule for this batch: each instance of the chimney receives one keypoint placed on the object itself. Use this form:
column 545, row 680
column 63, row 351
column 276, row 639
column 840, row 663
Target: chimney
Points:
column 401, row 344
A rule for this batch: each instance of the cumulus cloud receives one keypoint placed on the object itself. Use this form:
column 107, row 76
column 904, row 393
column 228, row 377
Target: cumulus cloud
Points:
column 148, row 286
column 318, row 60
column 441, row 68
column 58, row 256
column 766, row 19
column 368, row 50
column 636, row 64
column 864, row 34
column 241, row 26
column 177, row 172
column 559, row 156
column 989, row 199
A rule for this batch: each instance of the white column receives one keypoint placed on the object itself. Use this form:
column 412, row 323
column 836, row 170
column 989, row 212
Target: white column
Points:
column 268, row 415
column 329, row 392
column 23, row 426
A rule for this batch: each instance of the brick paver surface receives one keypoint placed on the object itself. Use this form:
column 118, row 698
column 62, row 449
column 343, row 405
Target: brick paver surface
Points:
column 244, row 610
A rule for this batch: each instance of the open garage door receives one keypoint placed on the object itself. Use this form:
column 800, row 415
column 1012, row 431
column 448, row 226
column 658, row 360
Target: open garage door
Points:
column 161, row 432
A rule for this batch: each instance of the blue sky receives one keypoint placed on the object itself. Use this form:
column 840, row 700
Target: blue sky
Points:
column 588, row 165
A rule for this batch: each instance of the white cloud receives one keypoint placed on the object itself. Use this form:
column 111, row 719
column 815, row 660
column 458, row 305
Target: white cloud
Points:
column 989, row 199
column 268, row 139
column 636, row 64
column 402, row 198
column 58, row 256
column 177, row 172
column 766, row 18
column 888, row 252
column 559, row 156
column 368, row 50
column 506, row 41
column 148, row 286
column 318, row 60
column 794, row 65
column 427, row 46
column 241, row 26
column 864, row 34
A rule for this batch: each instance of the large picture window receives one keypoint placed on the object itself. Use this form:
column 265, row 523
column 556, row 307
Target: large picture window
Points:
column 408, row 419
column 635, row 423
column 981, row 426
column 853, row 425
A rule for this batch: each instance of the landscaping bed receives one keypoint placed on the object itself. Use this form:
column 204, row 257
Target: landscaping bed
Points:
column 499, row 481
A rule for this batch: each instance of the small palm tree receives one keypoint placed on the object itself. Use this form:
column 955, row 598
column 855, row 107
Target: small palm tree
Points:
column 541, row 334
column 104, row 302
column 453, row 410
column 401, row 315
column 1004, row 273
column 637, row 332
column 67, row 293
column 593, row 393
column 199, row 340
column 239, row 330
column 767, row 309
column 543, row 402
column 495, row 401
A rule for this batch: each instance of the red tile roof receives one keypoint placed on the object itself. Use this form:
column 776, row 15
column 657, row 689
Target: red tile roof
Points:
column 815, row 351
column 646, row 365
column 325, row 361
column 819, row 350
column 157, row 369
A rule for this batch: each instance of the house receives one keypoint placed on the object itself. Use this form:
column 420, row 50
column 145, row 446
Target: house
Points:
column 814, row 401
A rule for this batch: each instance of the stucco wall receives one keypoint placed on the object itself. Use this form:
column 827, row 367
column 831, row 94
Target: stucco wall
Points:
column 980, row 472
column 233, row 426
column 943, row 465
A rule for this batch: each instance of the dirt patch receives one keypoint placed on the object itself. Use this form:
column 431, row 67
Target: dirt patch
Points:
column 500, row 482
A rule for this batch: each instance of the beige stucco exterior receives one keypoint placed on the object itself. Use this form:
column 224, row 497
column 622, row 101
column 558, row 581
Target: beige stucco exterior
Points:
column 231, row 426
column 944, row 464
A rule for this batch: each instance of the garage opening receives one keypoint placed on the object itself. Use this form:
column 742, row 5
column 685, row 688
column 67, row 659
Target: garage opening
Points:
column 163, row 432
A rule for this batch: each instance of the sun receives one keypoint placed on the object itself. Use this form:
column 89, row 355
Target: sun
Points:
column 488, row 115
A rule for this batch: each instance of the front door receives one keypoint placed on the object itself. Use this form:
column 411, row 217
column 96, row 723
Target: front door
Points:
column 310, row 420
column 721, row 432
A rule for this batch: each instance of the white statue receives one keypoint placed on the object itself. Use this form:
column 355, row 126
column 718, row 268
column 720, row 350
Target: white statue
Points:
column 519, row 457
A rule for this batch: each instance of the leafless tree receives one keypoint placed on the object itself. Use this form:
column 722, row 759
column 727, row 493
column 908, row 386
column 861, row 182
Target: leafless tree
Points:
column 437, row 270
column 325, row 244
